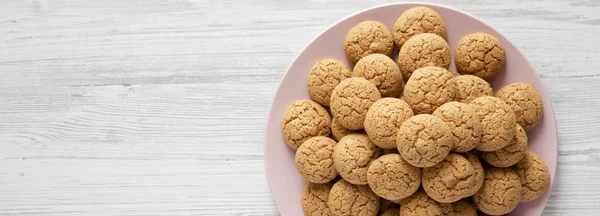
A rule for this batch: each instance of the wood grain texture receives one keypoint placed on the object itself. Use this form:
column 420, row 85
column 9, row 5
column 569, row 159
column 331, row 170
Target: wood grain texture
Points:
column 158, row 107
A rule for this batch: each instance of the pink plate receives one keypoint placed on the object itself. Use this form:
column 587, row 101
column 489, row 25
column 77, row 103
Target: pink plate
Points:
column 285, row 182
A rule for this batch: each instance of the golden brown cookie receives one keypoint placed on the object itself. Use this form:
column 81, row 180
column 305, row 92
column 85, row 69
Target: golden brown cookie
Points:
column 304, row 119
column 463, row 208
column 383, row 72
column 424, row 140
column 525, row 102
column 391, row 212
column 383, row 120
column 348, row 199
column 500, row 193
column 469, row 87
column 428, row 89
column 385, row 205
column 392, row 178
column 497, row 121
column 314, row 199
column 534, row 175
column 453, row 72
column 479, row 172
column 351, row 100
column 415, row 21
column 314, row 160
column 423, row 50
column 450, row 180
column 420, row 204
column 338, row 131
column 479, row 54
column 323, row 77
column 464, row 124
column 511, row 154
column 366, row 38
column 352, row 157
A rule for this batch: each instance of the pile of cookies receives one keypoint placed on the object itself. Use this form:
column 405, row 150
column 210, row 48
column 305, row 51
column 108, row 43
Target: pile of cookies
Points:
column 411, row 137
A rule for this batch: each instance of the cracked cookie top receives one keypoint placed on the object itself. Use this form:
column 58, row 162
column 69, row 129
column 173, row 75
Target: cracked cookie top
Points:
column 429, row 88
column 323, row 77
column 479, row 172
column 351, row 100
column 534, row 175
column 348, row 199
column 314, row 160
column 314, row 199
column 525, row 102
column 497, row 121
column 420, row 204
column 469, row 87
column 450, row 180
column 352, row 157
column 383, row 72
column 424, row 140
column 392, row 178
column 511, row 154
column 304, row 119
column 338, row 131
column 383, row 120
column 415, row 21
column 464, row 124
column 464, row 208
column 479, row 54
column 500, row 193
column 423, row 50
column 366, row 38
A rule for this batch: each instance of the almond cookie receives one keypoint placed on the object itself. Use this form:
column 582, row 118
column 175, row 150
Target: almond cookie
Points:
column 424, row 140
column 366, row 38
column 497, row 121
column 450, row 180
column 383, row 72
column 324, row 76
column 383, row 120
column 500, row 193
column 524, row 101
column 479, row 54
column 429, row 88
column 304, row 119
column 338, row 131
column 314, row 160
column 511, row 154
column 469, row 87
column 534, row 176
column 351, row 100
column 392, row 178
column 420, row 204
column 415, row 21
column 348, row 199
column 463, row 208
column 314, row 199
column 391, row 212
column 423, row 50
column 464, row 124
column 479, row 172
column 352, row 157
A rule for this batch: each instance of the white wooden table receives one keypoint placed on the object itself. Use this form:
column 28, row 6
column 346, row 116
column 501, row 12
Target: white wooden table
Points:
column 158, row 107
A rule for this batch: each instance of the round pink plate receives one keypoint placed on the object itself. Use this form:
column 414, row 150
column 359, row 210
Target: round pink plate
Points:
column 285, row 182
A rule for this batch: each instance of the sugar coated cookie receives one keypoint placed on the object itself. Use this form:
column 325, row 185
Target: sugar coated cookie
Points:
column 423, row 50
column 323, row 77
column 314, row 160
column 450, row 180
column 392, row 178
column 352, row 157
column 366, row 38
column 534, row 176
column 428, row 89
column 383, row 72
column 469, row 87
column 479, row 54
column 464, row 123
column 525, row 102
column 383, row 120
column 497, row 121
column 314, row 199
column 511, row 154
column 424, row 140
column 415, row 21
column 348, row 199
column 500, row 193
column 304, row 119
column 351, row 100
column 420, row 204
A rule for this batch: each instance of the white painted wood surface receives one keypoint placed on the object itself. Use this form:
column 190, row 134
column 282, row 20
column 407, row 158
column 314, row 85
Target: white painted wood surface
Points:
column 158, row 107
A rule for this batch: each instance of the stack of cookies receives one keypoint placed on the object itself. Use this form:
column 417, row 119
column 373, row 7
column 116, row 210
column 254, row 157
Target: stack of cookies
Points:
column 411, row 137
